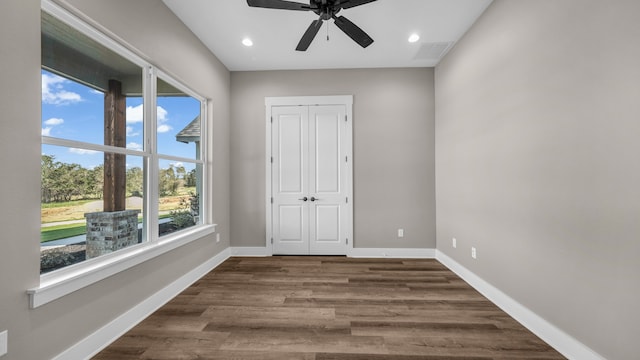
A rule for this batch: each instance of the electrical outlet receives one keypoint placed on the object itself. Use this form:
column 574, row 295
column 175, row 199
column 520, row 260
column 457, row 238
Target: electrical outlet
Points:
column 3, row 342
column 217, row 237
column 454, row 242
column 400, row 233
column 473, row 252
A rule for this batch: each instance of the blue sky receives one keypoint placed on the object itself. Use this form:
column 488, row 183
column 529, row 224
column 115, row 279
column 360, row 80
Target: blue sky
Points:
column 75, row 112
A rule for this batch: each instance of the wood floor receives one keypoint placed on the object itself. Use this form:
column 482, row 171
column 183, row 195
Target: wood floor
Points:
column 329, row 308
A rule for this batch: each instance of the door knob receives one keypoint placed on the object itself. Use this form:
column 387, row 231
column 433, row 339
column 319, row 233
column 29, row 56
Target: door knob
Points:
column 313, row 199
column 304, row 199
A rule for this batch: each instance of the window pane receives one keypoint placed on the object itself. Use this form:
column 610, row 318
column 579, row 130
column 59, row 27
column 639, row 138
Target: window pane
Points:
column 74, row 225
column 180, row 192
column 83, row 82
column 178, row 122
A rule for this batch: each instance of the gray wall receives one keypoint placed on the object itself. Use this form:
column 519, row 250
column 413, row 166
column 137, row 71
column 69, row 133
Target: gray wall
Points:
column 537, row 162
column 149, row 26
column 393, row 143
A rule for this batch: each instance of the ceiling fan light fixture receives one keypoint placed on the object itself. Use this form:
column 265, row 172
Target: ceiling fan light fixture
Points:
column 247, row 42
column 414, row 38
column 326, row 10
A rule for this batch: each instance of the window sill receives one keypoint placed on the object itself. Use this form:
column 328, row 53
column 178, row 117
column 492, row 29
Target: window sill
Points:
column 67, row 280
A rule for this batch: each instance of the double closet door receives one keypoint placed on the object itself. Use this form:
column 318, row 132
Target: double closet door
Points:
column 309, row 170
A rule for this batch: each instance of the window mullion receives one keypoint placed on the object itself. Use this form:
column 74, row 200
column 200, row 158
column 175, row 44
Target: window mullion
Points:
column 150, row 115
column 179, row 158
column 206, row 186
column 48, row 140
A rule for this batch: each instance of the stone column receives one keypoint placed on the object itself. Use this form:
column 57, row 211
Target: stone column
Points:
column 111, row 231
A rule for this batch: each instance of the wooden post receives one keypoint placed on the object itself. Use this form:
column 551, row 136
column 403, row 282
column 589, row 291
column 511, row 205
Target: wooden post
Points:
column 115, row 134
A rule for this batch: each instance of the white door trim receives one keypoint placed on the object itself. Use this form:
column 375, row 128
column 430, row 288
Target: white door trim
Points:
column 347, row 101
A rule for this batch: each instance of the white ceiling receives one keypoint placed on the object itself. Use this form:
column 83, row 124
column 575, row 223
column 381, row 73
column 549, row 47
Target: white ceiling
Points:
column 222, row 25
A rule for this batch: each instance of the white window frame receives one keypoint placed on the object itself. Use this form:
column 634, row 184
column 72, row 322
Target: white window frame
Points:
column 205, row 212
column 64, row 281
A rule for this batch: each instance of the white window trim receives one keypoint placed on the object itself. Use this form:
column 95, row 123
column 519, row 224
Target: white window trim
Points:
column 75, row 277
column 64, row 281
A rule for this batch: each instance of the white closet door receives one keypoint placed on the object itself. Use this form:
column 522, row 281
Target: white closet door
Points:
column 327, row 180
column 309, row 180
column 290, row 185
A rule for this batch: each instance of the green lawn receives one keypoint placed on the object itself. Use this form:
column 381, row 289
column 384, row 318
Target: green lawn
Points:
column 62, row 231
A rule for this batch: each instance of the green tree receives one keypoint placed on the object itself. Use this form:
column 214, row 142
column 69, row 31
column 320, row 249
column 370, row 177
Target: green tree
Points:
column 97, row 174
column 168, row 181
column 66, row 182
column 135, row 183
column 181, row 173
column 70, row 180
column 47, row 165
column 190, row 179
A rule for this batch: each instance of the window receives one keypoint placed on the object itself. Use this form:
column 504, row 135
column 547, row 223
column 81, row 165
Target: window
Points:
column 122, row 149
column 179, row 158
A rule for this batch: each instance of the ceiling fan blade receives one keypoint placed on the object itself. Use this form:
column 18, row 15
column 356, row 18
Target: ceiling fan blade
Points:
column 309, row 35
column 353, row 3
column 353, row 31
column 278, row 4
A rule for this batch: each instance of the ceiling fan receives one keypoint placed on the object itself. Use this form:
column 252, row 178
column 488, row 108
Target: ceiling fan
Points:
column 326, row 9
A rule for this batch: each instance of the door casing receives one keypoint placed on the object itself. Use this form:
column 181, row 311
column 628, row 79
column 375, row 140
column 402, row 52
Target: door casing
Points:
column 345, row 100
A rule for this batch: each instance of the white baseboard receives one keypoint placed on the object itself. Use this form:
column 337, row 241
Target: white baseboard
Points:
column 249, row 251
column 558, row 339
column 104, row 336
column 417, row 253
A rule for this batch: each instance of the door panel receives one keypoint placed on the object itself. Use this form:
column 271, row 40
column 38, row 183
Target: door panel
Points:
column 327, row 223
column 291, row 229
column 290, row 224
column 326, row 230
column 327, row 127
column 327, row 150
column 289, row 183
column 290, row 153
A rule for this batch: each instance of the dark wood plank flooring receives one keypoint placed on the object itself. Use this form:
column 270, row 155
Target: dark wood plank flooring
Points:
column 329, row 308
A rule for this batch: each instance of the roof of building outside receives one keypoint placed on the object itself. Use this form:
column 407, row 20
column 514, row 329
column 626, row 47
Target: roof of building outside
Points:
column 191, row 132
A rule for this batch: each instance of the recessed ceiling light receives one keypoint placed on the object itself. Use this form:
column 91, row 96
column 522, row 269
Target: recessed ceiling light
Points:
column 413, row 38
column 247, row 42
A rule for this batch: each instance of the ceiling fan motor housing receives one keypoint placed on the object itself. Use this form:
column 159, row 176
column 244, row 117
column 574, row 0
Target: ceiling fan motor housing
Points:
column 325, row 9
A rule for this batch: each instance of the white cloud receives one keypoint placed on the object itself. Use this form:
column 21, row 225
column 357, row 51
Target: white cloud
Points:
column 53, row 91
column 64, row 96
column 132, row 132
column 134, row 146
column 164, row 128
column 162, row 114
column 162, row 119
column 46, row 131
column 135, row 114
column 54, row 122
column 177, row 164
column 82, row 151
column 96, row 92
